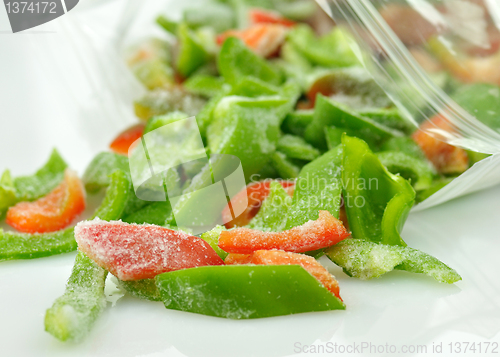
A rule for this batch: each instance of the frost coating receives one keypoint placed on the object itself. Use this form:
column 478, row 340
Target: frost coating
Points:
column 367, row 260
column 73, row 314
column 133, row 252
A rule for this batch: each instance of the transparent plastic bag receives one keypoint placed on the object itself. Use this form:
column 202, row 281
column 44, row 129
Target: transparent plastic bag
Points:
column 100, row 32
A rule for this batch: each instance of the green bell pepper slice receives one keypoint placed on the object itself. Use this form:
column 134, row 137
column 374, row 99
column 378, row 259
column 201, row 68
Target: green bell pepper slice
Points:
column 30, row 188
column 318, row 187
column 97, row 174
column 204, row 85
column 366, row 260
column 73, row 314
column 245, row 292
column 154, row 213
column 419, row 172
column 161, row 120
column 252, row 87
column 29, row 246
column 390, row 118
column 331, row 50
column 329, row 113
column 236, row 61
column 273, row 213
column 247, row 128
column 220, row 17
column 405, row 145
column 377, row 202
column 285, row 168
column 7, row 192
column 296, row 122
column 167, row 24
column 192, row 53
column 295, row 147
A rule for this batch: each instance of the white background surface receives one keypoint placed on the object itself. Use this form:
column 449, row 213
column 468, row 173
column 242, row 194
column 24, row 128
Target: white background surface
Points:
column 400, row 308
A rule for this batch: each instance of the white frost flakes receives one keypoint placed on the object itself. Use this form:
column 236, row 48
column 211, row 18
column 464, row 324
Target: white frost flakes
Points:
column 133, row 251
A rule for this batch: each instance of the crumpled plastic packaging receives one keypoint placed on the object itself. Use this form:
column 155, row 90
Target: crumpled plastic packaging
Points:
column 87, row 58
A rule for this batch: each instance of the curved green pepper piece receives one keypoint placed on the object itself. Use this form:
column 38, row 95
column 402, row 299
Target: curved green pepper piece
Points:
column 7, row 192
column 331, row 50
column 237, row 61
column 318, row 187
column 419, row 172
column 192, row 53
column 377, row 202
column 403, row 144
column 329, row 113
column 245, row 292
column 154, row 213
column 116, row 199
column 273, row 213
column 247, row 128
column 252, row 87
column 295, row 147
column 30, row 188
column 30, row 246
column 285, row 168
column 97, row 174
column 296, row 122
column 367, row 260
column 391, row 118
column 72, row 315
column 205, row 85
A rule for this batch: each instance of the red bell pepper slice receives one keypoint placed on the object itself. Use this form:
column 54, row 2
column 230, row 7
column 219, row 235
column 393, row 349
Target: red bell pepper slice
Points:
column 264, row 39
column 321, row 233
column 52, row 212
column 447, row 159
column 135, row 252
column 256, row 193
column 123, row 141
column 260, row 16
column 279, row 257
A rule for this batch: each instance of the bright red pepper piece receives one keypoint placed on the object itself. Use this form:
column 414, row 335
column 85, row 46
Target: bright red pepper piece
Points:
column 264, row 39
column 123, row 141
column 52, row 212
column 135, row 252
column 447, row 159
column 260, row 16
column 321, row 233
column 256, row 193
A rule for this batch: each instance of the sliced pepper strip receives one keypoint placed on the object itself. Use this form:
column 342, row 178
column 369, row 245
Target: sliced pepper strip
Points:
column 245, row 291
column 318, row 187
column 377, row 202
column 135, row 252
column 324, row 232
column 30, row 246
column 53, row 212
column 273, row 214
column 367, row 260
column 419, row 172
column 122, row 142
column 72, row 315
column 279, row 257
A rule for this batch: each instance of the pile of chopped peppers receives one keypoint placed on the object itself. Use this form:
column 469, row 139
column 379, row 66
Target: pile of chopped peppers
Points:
column 332, row 169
